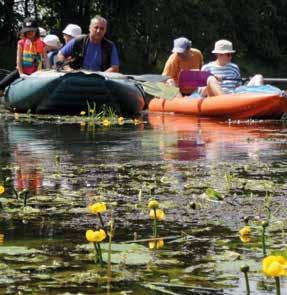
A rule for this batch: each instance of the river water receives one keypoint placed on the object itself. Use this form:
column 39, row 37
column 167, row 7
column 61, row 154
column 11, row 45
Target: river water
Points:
column 207, row 175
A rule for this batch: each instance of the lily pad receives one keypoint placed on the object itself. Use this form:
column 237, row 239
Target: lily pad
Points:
column 15, row 250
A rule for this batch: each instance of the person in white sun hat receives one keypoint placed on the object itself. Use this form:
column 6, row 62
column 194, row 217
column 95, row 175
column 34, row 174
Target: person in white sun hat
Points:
column 225, row 74
column 71, row 31
column 53, row 45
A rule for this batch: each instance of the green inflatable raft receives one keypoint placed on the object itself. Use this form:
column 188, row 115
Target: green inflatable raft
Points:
column 51, row 92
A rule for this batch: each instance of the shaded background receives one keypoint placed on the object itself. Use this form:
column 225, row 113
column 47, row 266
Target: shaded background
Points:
column 144, row 29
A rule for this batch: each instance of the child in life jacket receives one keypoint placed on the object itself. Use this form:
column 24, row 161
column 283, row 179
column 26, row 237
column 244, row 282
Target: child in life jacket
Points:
column 31, row 54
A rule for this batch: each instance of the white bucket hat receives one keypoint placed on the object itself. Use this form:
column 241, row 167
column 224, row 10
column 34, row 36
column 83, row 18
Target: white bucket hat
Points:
column 72, row 30
column 43, row 32
column 53, row 41
column 181, row 44
column 223, row 46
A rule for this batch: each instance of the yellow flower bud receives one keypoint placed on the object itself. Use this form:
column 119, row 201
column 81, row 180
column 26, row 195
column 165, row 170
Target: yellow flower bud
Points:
column 245, row 238
column 158, row 214
column 157, row 244
column 153, row 204
column 274, row 266
column 82, row 113
column 106, row 122
column 99, row 207
column 121, row 120
column 245, row 231
column 2, row 189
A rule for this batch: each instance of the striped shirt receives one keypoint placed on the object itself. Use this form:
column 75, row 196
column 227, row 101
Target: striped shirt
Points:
column 230, row 74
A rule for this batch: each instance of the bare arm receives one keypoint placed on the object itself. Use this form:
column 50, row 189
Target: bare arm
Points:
column 60, row 57
column 19, row 66
column 114, row 69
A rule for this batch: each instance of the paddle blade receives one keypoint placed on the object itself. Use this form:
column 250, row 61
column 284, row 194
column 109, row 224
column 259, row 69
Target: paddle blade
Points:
column 190, row 78
column 149, row 77
column 160, row 89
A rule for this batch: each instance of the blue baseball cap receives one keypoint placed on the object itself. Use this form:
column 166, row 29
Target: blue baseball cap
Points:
column 181, row 44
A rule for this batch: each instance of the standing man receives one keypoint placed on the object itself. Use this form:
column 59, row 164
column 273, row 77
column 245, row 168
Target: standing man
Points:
column 184, row 57
column 93, row 51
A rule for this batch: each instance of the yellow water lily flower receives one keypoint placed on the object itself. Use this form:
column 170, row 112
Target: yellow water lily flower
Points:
column 153, row 204
column 245, row 231
column 2, row 189
column 121, row 120
column 274, row 266
column 159, row 214
column 106, row 122
column 157, row 244
column 82, row 113
column 245, row 238
column 95, row 236
column 99, row 207
column 137, row 121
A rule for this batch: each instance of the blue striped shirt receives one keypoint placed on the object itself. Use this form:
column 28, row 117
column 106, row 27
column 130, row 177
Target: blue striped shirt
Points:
column 230, row 74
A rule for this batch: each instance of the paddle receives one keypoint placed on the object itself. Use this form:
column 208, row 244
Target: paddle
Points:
column 160, row 89
column 151, row 83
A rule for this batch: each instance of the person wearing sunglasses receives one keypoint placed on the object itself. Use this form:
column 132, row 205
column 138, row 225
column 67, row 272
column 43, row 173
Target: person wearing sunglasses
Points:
column 225, row 74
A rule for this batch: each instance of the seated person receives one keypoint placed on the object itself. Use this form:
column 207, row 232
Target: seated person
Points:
column 184, row 57
column 225, row 74
column 31, row 53
column 92, row 52
column 71, row 31
column 53, row 45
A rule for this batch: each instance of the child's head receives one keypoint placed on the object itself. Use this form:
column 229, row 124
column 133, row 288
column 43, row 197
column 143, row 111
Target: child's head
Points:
column 52, row 42
column 30, row 28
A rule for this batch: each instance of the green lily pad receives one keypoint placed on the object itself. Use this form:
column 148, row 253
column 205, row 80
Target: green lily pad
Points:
column 15, row 250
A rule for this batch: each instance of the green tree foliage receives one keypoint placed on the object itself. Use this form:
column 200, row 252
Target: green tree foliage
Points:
column 144, row 29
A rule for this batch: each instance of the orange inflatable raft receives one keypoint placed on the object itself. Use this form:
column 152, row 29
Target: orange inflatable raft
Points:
column 228, row 106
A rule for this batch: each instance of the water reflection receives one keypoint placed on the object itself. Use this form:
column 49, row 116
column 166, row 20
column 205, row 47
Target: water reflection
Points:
column 186, row 138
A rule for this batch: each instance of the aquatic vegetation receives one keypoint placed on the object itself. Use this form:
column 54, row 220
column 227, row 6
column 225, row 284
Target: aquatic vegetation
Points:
column 121, row 121
column 98, row 208
column 264, row 225
column 2, row 189
column 156, row 244
column 155, row 214
column 96, row 237
column 106, row 122
column 245, row 231
column 275, row 266
column 245, row 269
